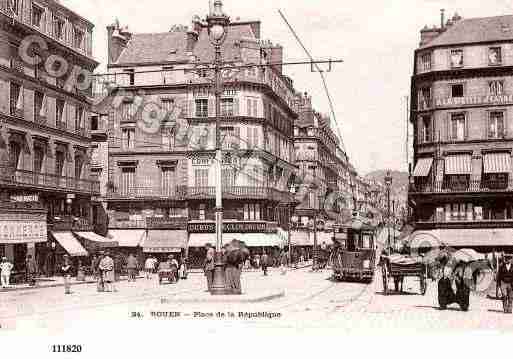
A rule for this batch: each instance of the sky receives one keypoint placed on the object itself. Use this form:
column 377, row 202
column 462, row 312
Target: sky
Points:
column 375, row 39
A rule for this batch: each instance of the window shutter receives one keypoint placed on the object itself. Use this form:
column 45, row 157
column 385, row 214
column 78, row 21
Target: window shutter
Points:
column 211, row 107
column 19, row 102
column 255, row 134
column 236, row 106
column 448, row 127
column 505, row 124
column 486, row 124
column 467, row 120
column 248, row 107
column 191, row 109
column 236, row 140
column 42, row 112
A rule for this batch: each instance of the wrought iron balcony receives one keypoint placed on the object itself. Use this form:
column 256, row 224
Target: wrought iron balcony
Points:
column 469, row 186
column 182, row 193
column 23, row 178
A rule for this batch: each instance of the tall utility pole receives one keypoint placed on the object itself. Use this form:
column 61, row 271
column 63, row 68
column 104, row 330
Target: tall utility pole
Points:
column 388, row 183
column 217, row 24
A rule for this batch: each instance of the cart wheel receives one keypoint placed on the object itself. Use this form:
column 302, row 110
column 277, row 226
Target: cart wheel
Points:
column 423, row 285
column 384, row 276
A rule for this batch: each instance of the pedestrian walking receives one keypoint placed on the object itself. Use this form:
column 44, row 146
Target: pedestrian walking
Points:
column 5, row 272
column 66, row 274
column 149, row 266
column 107, row 271
column 94, row 267
column 31, row 270
column 283, row 263
column 131, row 266
column 208, row 265
column 264, row 262
column 505, row 281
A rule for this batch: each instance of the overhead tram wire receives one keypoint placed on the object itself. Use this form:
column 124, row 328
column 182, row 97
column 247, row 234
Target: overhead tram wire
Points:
column 321, row 73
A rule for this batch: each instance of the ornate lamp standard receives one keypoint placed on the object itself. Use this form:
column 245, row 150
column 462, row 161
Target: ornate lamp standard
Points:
column 388, row 183
column 217, row 23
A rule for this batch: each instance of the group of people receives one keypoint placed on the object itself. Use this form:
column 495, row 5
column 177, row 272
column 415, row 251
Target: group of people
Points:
column 234, row 255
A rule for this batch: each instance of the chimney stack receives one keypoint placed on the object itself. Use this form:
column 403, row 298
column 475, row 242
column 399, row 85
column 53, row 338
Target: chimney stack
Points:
column 442, row 18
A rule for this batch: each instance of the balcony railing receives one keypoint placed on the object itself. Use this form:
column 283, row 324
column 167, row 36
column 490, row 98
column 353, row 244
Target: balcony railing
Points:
column 69, row 223
column 485, row 223
column 24, row 178
column 471, row 186
column 182, row 193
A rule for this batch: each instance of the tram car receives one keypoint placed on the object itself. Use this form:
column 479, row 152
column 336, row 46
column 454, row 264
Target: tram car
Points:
column 354, row 251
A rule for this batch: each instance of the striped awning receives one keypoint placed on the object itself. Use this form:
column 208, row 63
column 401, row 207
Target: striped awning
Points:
column 70, row 244
column 423, row 167
column 458, row 164
column 164, row 241
column 499, row 162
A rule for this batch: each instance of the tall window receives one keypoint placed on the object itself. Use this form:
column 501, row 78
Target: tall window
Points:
column 427, row 130
column 227, row 107
column 127, row 111
column 60, row 120
column 496, row 124
column 202, row 107
column 168, row 181
column 424, row 98
column 252, row 138
column 15, row 154
column 252, row 107
column 79, row 117
column 58, row 28
column 168, row 105
column 457, row 90
column 201, row 177
column 39, row 155
column 78, row 38
column 456, row 58
column 252, row 212
column 16, row 98
column 79, row 163
column 228, row 177
column 494, row 56
column 127, row 181
column 128, row 138
column 59, row 162
column 37, row 15
column 168, row 138
column 458, row 127
column 38, row 106
column 426, row 61
column 14, row 6
column 496, row 87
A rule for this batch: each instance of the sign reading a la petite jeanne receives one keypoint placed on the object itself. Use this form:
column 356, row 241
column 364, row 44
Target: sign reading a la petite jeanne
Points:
column 474, row 100
column 22, row 231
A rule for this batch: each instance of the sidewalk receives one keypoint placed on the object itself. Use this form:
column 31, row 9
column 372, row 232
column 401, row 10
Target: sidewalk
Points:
column 50, row 282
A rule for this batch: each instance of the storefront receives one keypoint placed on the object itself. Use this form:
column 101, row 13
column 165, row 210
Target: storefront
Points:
column 22, row 229
column 162, row 243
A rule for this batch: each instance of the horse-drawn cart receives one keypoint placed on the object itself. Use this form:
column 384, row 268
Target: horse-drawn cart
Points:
column 400, row 266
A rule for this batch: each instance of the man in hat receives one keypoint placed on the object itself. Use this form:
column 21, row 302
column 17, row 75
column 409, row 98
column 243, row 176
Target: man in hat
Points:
column 107, row 270
column 31, row 270
column 505, row 281
column 5, row 272
column 131, row 266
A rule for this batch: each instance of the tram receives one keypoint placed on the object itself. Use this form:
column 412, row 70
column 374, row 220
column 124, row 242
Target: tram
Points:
column 354, row 251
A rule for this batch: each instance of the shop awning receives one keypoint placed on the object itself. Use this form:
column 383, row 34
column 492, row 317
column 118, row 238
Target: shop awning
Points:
column 95, row 240
column 255, row 239
column 201, row 239
column 423, row 167
column 127, row 237
column 458, row 164
column 497, row 162
column 164, row 241
column 300, row 238
column 70, row 244
column 462, row 237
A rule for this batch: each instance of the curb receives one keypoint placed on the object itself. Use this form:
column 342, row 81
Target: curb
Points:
column 225, row 299
column 55, row 285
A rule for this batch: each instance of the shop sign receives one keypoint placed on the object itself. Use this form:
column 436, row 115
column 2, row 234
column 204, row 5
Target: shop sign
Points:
column 25, row 198
column 474, row 100
column 238, row 227
column 24, row 231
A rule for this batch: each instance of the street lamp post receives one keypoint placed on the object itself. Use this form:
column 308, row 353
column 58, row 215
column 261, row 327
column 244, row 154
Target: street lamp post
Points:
column 217, row 23
column 388, row 183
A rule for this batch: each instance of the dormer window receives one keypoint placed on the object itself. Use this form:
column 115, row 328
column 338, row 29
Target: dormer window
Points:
column 37, row 15
column 494, row 56
column 456, row 58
